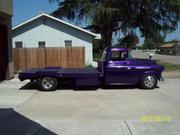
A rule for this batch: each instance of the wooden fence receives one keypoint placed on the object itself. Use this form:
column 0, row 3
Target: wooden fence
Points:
column 26, row 58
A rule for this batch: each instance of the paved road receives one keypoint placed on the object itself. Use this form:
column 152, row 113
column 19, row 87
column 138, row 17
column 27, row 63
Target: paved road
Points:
column 162, row 58
column 97, row 112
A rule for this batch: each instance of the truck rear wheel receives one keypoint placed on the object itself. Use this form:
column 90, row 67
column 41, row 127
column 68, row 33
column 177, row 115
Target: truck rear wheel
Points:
column 48, row 84
column 149, row 81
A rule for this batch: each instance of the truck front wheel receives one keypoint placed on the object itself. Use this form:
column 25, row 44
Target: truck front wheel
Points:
column 149, row 81
column 48, row 84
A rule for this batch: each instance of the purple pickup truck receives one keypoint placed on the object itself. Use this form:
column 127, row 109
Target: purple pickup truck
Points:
column 117, row 67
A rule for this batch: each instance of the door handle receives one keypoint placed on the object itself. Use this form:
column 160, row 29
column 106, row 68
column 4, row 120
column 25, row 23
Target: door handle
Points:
column 131, row 68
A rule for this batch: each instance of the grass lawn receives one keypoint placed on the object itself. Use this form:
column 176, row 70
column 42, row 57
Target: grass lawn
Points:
column 97, row 56
column 170, row 67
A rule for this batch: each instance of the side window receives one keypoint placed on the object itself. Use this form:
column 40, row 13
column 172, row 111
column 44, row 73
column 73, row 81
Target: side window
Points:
column 115, row 55
column 118, row 56
column 19, row 44
column 68, row 43
column 41, row 44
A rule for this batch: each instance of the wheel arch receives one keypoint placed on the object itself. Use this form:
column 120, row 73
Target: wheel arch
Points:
column 152, row 73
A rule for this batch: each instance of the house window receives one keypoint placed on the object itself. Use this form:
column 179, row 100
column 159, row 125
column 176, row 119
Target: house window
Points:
column 68, row 43
column 41, row 44
column 19, row 44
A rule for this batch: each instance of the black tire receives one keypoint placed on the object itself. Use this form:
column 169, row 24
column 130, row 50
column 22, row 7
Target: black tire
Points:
column 48, row 84
column 149, row 81
column 33, row 80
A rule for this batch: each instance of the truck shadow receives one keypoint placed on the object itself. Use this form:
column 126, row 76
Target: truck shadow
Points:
column 13, row 123
column 125, row 87
column 34, row 86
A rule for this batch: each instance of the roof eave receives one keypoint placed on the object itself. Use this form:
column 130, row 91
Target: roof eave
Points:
column 61, row 21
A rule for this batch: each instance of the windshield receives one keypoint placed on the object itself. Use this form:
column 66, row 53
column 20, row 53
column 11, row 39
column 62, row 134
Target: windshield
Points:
column 120, row 55
column 130, row 55
column 117, row 55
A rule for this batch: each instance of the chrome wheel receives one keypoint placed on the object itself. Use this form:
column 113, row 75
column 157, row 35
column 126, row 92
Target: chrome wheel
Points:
column 149, row 81
column 48, row 83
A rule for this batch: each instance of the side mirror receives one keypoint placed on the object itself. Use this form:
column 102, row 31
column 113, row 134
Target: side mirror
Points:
column 150, row 55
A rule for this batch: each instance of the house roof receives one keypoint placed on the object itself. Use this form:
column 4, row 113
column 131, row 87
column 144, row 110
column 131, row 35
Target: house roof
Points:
column 55, row 19
column 169, row 45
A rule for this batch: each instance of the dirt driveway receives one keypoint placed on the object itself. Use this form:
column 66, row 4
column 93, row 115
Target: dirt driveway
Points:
column 117, row 111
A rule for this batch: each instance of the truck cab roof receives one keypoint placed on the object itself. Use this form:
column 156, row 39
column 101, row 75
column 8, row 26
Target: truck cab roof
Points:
column 117, row 49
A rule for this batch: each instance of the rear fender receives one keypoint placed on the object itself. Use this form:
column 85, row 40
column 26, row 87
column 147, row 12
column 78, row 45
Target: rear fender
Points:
column 44, row 74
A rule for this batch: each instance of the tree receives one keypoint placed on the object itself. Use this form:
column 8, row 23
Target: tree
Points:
column 173, row 41
column 97, row 46
column 130, row 41
column 105, row 22
column 151, row 17
column 103, row 18
column 149, row 44
column 154, row 41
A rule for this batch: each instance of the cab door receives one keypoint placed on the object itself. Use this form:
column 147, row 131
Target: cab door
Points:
column 119, row 70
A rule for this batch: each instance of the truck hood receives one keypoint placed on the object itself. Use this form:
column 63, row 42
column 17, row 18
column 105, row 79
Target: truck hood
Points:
column 143, row 61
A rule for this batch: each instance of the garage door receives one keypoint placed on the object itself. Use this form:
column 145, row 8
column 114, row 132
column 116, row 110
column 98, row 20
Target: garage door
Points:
column 3, row 51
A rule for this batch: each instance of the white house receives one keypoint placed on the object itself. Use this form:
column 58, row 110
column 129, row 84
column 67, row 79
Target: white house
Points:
column 47, row 31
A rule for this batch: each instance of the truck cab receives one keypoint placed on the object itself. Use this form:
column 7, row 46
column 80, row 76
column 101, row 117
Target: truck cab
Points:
column 120, row 68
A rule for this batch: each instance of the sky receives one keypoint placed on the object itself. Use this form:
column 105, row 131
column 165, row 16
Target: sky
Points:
column 26, row 9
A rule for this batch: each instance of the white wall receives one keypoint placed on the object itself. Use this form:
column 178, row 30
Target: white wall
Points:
column 54, row 34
